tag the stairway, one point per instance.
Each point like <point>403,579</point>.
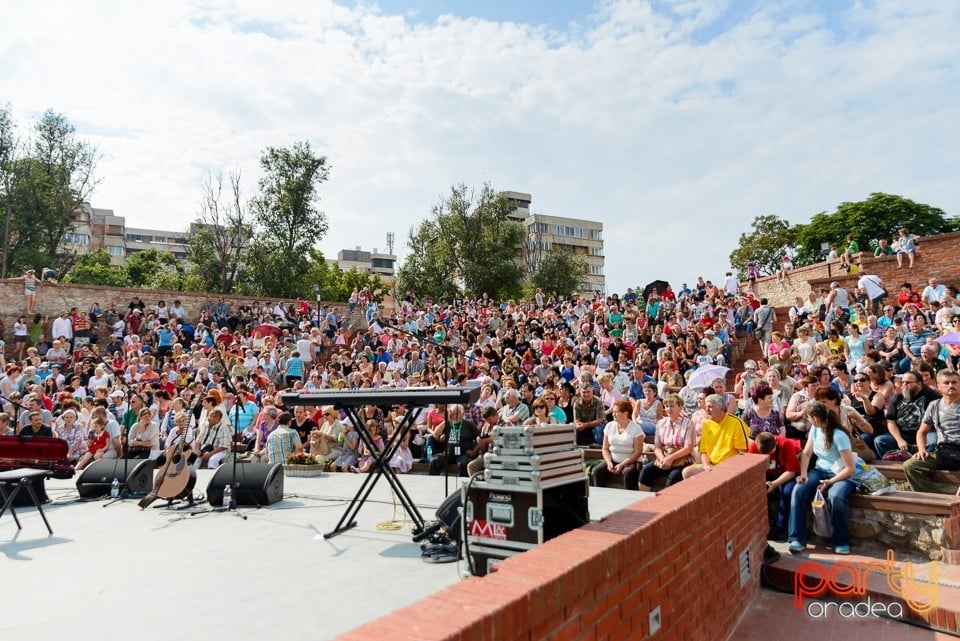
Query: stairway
<point>748,347</point>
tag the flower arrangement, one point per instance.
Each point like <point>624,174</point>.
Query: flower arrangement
<point>300,458</point>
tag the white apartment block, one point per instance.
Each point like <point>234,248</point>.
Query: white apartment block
<point>554,233</point>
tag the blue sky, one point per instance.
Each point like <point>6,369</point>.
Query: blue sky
<point>674,122</point>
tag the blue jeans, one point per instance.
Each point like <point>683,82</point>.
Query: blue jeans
<point>886,443</point>
<point>837,495</point>
<point>598,433</point>
<point>785,495</point>
<point>649,429</point>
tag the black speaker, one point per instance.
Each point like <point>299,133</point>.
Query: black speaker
<point>257,484</point>
<point>449,514</point>
<point>95,479</point>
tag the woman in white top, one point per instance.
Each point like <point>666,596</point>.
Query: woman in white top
<point>805,345</point>
<point>622,447</point>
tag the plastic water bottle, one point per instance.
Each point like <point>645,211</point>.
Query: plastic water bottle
<point>429,453</point>
<point>115,488</point>
<point>227,496</point>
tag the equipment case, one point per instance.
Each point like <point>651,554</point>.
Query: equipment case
<point>515,440</point>
<point>502,521</point>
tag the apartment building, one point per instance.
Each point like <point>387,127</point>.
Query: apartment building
<point>546,233</point>
<point>95,229</point>
<point>374,262</point>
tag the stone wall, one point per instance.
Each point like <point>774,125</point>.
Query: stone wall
<point>938,256</point>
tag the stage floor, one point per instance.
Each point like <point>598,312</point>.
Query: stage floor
<point>119,571</point>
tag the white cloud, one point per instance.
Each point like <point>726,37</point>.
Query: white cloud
<point>673,123</point>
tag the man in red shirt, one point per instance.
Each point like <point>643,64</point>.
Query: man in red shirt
<point>784,456</point>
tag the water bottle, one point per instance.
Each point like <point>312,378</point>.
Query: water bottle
<point>227,496</point>
<point>429,452</point>
<point>115,488</point>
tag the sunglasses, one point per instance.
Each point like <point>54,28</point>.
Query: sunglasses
<point>859,380</point>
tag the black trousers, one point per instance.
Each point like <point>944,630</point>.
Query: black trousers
<point>601,476</point>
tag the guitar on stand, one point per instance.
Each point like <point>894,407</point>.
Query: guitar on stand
<point>177,477</point>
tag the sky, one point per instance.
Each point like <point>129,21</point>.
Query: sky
<point>674,122</point>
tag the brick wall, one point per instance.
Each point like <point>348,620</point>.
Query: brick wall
<point>601,581</point>
<point>938,257</point>
<point>52,299</point>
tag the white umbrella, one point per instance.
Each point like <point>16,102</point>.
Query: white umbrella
<point>705,375</point>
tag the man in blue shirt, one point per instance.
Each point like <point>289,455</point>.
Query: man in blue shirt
<point>915,339</point>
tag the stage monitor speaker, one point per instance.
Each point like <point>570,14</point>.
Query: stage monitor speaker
<point>95,479</point>
<point>257,484</point>
<point>449,514</point>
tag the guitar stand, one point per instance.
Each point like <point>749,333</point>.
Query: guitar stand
<point>171,502</point>
<point>381,467</point>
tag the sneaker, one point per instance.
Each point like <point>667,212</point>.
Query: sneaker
<point>353,468</point>
<point>796,547</point>
<point>842,549</point>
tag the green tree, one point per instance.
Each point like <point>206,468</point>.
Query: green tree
<point>49,182</point>
<point>336,284</point>
<point>95,269</point>
<point>148,267</point>
<point>867,221</point>
<point>8,154</point>
<point>769,239</point>
<point>559,273</point>
<point>468,243</point>
<point>289,222</point>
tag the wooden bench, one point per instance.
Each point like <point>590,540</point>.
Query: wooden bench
<point>893,470</point>
<point>917,522</point>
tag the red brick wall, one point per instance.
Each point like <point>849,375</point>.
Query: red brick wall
<point>52,299</point>
<point>602,580</point>
<point>938,256</point>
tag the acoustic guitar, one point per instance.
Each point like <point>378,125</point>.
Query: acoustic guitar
<point>177,477</point>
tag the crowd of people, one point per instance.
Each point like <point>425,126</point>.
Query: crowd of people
<point>619,368</point>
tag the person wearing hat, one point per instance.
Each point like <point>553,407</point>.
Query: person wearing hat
<point>714,347</point>
<point>30,283</point>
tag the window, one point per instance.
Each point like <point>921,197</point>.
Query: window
<point>596,270</point>
<point>596,234</point>
<point>596,251</point>
<point>76,239</point>
<point>113,250</point>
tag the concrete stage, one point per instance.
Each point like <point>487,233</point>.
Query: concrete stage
<point>119,572</point>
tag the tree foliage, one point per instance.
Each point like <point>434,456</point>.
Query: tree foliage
<point>45,182</point>
<point>288,220</point>
<point>468,244</point>
<point>149,268</point>
<point>879,216</point>
<point>559,273</point>
<point>336,284</point>
<point>95,269</point>
<point>769,239</point>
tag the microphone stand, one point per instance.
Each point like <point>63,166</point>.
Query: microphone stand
<point>125,440</point>
<point>233,507</point>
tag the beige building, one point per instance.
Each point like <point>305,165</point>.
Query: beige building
<point>95,229</point>
<point>374,262</point>
<point>554,233</point>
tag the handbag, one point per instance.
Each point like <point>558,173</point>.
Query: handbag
<point>862,450</point>
<point>948,456</point>
<point>871,481</point>
<point>821,516</point>
<point>897,456</point>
